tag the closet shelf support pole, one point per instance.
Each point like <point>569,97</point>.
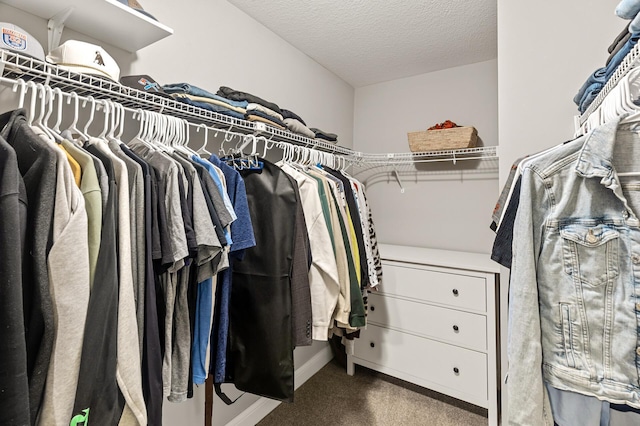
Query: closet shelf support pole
<point>56,25</point>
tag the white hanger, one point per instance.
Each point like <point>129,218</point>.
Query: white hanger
<point>20,82</point>
<point>73,127</point>
<point>41,94</point>
<point>92,112</point>
<point>203,148</point>
<point>122,118</point>
<point>141,117</point>
<point>32,105</point>
<point>49,95</point>
<point>57,93</point>
<point>106,107</point>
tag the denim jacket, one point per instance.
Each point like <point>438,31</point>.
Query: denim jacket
<point>574,299</point>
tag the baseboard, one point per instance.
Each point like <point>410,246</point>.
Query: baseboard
<point>264,406</point>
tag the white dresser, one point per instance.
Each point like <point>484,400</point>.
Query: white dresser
<point>435,322</point>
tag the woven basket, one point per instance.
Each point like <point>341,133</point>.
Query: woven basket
<point>444,139</point>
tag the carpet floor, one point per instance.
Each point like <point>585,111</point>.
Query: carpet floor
<point>370,398</point>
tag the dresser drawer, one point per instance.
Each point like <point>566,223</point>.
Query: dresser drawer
<point>457,327</point>
<point>462,370</point>
<point>453,289</point>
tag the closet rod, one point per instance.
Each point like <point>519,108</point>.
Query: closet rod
<point>628,63</point>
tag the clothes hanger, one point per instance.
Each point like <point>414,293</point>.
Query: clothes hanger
<point>57,93</point>
<point>73,127</point>
<point>140,116</point>
<point>185,145</point>
<point>32,104</point>
<point>41,93</point>
<point>49,95</point>
<point>123,114</point>
<point>203,148</point>
<point>105,105</point>
<point>20,82</point>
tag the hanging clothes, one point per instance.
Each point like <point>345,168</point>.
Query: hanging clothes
<point>13,245</point>
<point>261,346</point>
<point>585,243</point>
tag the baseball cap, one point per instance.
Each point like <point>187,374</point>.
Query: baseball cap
<point>85,58</point>
<point>18,40</point>
<point>133,4</point>
<point>144,83</point>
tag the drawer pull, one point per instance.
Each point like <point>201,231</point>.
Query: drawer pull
<point>373,345</point>
<point>373,308</point>
<point>456,370</point>
<point>456,328</point>
<point>455,292</point>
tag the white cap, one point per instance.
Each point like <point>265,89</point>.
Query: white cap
<point>12,37</point>
<point>85,58</point>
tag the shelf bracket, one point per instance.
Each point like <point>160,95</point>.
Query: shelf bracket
<point>397,175</point>
<point>56,25</point>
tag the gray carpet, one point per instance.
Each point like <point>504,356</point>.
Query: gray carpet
<point>370,398</point>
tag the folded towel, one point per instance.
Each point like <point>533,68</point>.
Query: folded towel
<point>296,126</point>
<point>236,95</point>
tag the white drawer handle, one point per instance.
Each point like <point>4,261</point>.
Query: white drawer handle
<point>456,292</point>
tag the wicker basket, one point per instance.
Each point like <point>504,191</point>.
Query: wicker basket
<point>444,139</point>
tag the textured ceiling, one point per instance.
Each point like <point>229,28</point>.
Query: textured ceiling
<point>369,41</point>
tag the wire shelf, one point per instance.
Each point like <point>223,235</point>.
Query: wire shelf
<point>16,66</point>
<point>628,63</point>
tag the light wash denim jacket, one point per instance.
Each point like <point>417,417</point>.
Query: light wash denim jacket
<point>574,298</point>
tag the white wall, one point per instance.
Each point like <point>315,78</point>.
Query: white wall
<point>450,207</point>
<point>546,50</point>
<point>216,44</point>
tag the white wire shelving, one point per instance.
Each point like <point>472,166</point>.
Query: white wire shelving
<point>630,61</point>
<point>16,66</point>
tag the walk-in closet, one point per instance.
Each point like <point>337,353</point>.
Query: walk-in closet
<point>240,213</point>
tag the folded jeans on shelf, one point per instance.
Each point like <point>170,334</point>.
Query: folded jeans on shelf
<point>618,46</point>
<point>589,96</point>
<point>618,57</point>
<point>236,95</point>
<point>210,101</point>
<point>189,89</point>
<point>212,107</point>
<point>623,34</point>
<point>598,76</point>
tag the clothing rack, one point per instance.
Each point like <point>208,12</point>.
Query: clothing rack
<point>628,63</point>
<point>14,66</point>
